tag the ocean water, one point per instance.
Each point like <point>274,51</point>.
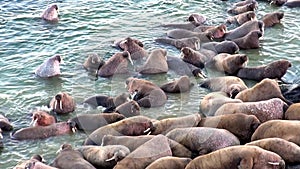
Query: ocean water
<point>89,27</point>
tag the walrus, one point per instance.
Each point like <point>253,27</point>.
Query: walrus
<point>292,3</point>
<point>274,70</point>
<point>129,109</point>
<point>136,51</point>
<point>133,142</point>
<point>213,100</point>
<point>244,29</point>
<point>62,103</point>
<point>193,57</point>
<point>116,64</point>
<point>93,62</point>
<point>35,162</point>
<point>271,19</point>
<point>67,153</point>
<point>5,125</point>
<point>291,92</point>
<point>192,42</point>
<point>42,132</point>
<point>278,2</point>
<point>194,20</point>
<point>163,126</point>
<point>1,139</point>
<point>264,90</point>
<point>241,9</point>
<point>238,157</point>
<point>285,129</point>
<point>110,103</point>
<point>156,62</point>
<point>289,151</point>
<point>169,162</point>
<point>203,140</point>
<point>293,112</point>
<point>180,85</point>
<point>132,126</point>
<point>227,63</point>
<point>182,33</point>
<point>42,118</point>
<point>91,122</point>
<point>231,85</point>
<point>147,153</point>
<point>104,156</point>
<point>239,124</point>
<point>146,93</point>
<point>119,43</point>
<point>264,110</point>
<point>241,18</point>
<point>229,47</point>
<point>51,13</point>
<point>245,2</point>
<point>249,41</point>
<point>218,31</point>
<point>50,67</point>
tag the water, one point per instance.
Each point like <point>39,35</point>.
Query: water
<point>89,27</point>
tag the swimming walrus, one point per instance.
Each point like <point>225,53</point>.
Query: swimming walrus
<point>271,19</point>
<point>293,112</point>
<point>192,42</point>
<point>110,103</point>
<point>156,62</point>
<point>244,29</point>
<point>242,9</point>
<point>51,13</point>
<point>180,85</point>
<point>193,57</point>
<point>249,41</point>
<point>241,18</point>
<point>62,103</point>
<point>49,67</point>
<point>182,33</point>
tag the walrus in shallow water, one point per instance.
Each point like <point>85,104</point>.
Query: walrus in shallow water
<point>292,3</point>
<point>156,62</point>
<point>169,162</point>
<point>51,13</point>
<point>135,49</point>
<point>62,103</point>
<point>129,109</point>
<point>215,48</point>
<point>93,62</point>
<point>245,2</point>
<point>242,9</point>
<point>182,33</point>
<point>194,21</point>
<point>5,125</point>
<point>241,18</point>
<point>192,42</point>
<point>181,85</point>
<point>244,29</point>
<point>270,19</point>
<point>120,43</point>
<point>274,70</point>
<point>110,103</point>
<point>35,162</point>
<point>42,118</point>
<point>238,157</point>
<point>249,41</point>
<point>193,57</point>
<point>50,67</point>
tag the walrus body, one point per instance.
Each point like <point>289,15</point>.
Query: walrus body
<point>241,125</point>
<point>192,42</point>
<point>182,33</point>
<point>169,162</point>
<point>50,67</point>
<point>238,157</point>
<point>264,110</point>
<point>129,109</point>
<point>242,9</point>
<point>292,3</point>
<point>51,14</point>
<point>5,124</point>
<point>182,68</point>
<point>35,162</point>
<point>272,19</point>
<point>106,101</point>
<point>42,118</point>
<point>249,41</point>
<point>241,18</point>
<point>193,57</point>
<point>273,70</point>
<point>92,63</point>
<point>244,29</point>
<point>135,49</point>
<point>62,103</point>
<point>181,85</point>
<point>229,47</point>
<point>156,62</point>
<point>293,112</point>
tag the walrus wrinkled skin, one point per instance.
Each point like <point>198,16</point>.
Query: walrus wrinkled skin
<point>42,132</point>
<point>146,93</point>
<point>68,158</point>
<point>215,48</point>
<point>156,62</point>
<point>104,156</point>
<point>5,124</point>
<point>129,109</point>
<point>229,84</point>
<point>132,126</point>
<point>116,64</point>
<point>244,29</point>
<point>271,19</point>
<point>136,51</point>
<point>203,140</point>
<point>290,152</point>
<point>133,142</point>
<point>93,62</point>
<point>110,103</point>
<point>91,122</point>
<point>214,100</point>
<point>51,13</point>
<point>242,9</point>
<point>227,63</point>
<point>264,110</point>
<point>264,90</point>
<point>274,70</point>
<point>42,118</point>
<point>192,42</point>
<point>35,162</point>
<point>50,67</point>
<point>62,103</point>
<point>241,125</point>
<point>285,129</point>
<point>165,125</point>
<point>193,57</point>
<point>147,153</point>
<point>241,18</point>
<point>169,162</point>
<point>238,157</point>
<point>249,41</point>
<point>293,112</point>
<point>183,33</point>
<point>181,85</point>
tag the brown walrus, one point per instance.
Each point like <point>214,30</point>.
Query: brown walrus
<point>292,3</point>
<point>249,41</point>
<point>194,20</point>
<point>51,13</point>
<point>244,29</point>
<point>241,125</point>
<point>218,31</point>
<point>238,157</point>
<point>169,162</point>
<point>227,63</point>
<point>182,33</point>
<point>241,18</point>
<point>181,85</point>
<point>42,118</point>
<point>192,42</point>
<point>5,124</point>
<point>285,129</point>
<point>229,47</point>
<point>110,103</point>
<point>293,112</point>
<point>264,110</point>
<point>93,62</point>
<point>135,49</point>
<point>35,162</point>
<point>116,64</point>
<point>119,43</point>
<point>245,8</point>
<point>290,152</point>
<point>156,62</point>
<point>129,109</point>
<point>274,70</point>
<point>193,57</point>
<point>62,103</point>
<point>245,2</point>
<point>271,19</point>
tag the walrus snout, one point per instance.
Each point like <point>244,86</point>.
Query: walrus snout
<point>54,6</point>
<point>72,125</point>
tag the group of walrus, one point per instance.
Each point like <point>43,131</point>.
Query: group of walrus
<point>237,126</point>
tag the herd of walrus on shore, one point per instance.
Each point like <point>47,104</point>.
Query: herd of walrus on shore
<point>237,126</point>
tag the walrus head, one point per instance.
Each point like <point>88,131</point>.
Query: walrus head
<point>229,47</point>
<point>58,106</point>
<point>51,13</point>
<point>197,19</point>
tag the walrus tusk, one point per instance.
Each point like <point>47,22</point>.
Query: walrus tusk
<point>110,159</point>
<point>197,45</point>
<point>133,95</point>
<point>55,104</point>
<point>181,55</point>
<point>59,150</point>
<point>274,163</point>
<point>74,129</point>
<point>60,105</point>
<point>129,58</point>
<point>147,130</point>
<point>33,122</point>
<point>1,136</point>
<point>201,75</point>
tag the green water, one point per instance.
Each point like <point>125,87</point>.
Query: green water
<point>90,26</point>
